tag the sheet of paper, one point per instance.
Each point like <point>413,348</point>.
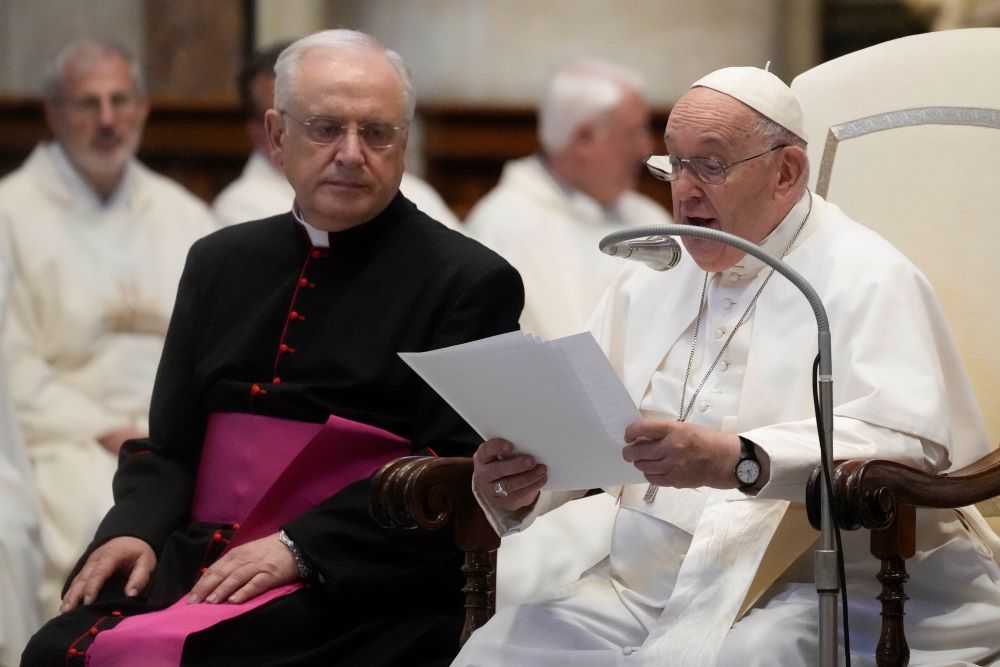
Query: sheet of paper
<point>559,401</point>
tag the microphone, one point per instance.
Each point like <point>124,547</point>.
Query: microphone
<point>657,252</point>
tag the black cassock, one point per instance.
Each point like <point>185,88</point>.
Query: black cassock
<point>266,324</point>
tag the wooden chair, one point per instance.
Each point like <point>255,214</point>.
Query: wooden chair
<point>436,494</point>
<point>905,137</point>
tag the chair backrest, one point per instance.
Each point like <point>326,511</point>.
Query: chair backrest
<point>905,137</point>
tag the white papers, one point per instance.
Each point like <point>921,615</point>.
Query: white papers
<point>559,401</point>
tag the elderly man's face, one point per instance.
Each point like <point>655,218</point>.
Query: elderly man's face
<point>707,123</point>
<point>99,117</point>
<point>621,143</point>
<point>346,183</point>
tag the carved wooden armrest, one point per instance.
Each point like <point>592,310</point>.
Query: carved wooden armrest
<point>882,496</point>
<point>432,493</point>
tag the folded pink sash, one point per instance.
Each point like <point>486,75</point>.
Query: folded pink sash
<point>260,472</point>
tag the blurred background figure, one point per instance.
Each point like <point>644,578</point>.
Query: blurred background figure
<point>20,556</point>
<point>96,243</point>
<point>546,217</point>
<point>262,190</point>
<point>549,210</point>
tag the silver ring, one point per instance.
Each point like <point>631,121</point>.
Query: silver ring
<point>499,491</point>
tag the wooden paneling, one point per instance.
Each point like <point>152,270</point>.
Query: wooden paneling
<point>21,127</point>
<point>851,25</point>
<point>194,49</point>
<point>203,145</point>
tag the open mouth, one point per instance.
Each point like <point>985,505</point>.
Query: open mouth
<point>699,222</point>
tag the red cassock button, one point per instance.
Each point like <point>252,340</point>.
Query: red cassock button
<point>256,390</point>
<point>276,380</point>
<point>303,282</point>
<point>316,254</point>
<point>116,613</point>
<point>294,315</point>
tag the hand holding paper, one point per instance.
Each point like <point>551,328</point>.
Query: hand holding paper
<point>559,401</point>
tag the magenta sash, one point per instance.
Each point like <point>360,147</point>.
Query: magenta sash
<point>260,472</point>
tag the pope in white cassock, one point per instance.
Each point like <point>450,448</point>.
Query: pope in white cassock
<point>545,217</point>
<point>95,243</point>
<point>706,568</point>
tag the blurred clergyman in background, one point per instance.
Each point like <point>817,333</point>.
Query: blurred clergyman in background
<point>95,242</point>
<point>546,217</point>
<point>549,210</point>
<point>20,558</point>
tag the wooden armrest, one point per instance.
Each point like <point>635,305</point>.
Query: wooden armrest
<point>867,492</point>
<point>431,493</point>
<point>883,496</point>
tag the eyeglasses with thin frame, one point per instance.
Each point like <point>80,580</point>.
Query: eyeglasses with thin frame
<point>325,131</point>
<point>707,169</point>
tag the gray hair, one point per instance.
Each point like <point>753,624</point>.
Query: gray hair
<point>85,52</point>
<point>287,65</point>
<point>581,92</point>
<point>776,134</point>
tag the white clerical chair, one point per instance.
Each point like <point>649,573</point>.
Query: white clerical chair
<point>905,138</point>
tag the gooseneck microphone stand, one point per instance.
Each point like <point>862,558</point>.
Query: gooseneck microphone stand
<point>826,574</point>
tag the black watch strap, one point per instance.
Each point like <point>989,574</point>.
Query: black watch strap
<point>748,467</point>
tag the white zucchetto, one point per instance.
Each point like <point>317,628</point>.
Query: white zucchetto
<point>759,90</point>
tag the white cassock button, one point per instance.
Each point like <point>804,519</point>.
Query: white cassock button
<point>703,406</point>
<point>723,364</point>
<point>733,277</point>
<point>628,650</point>
<point>719,333</point>
<point>727,303</point>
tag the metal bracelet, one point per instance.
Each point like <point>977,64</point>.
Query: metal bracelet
<point>300,562</point>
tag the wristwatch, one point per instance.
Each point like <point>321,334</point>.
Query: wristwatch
<point>748,467</point>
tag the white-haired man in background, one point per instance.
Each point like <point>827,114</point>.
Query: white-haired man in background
<point>95,243</point>
<point>549,210</point>
<point>546,217</point>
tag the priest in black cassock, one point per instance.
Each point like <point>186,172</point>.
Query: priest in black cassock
<point>240,533</point>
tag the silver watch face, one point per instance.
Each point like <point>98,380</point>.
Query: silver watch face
<point>748,471</point>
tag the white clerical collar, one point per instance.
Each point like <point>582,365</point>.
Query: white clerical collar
<point>591,208</point>
<point>81,190</point>
<point>317,237</point>
<point>773,244</point>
